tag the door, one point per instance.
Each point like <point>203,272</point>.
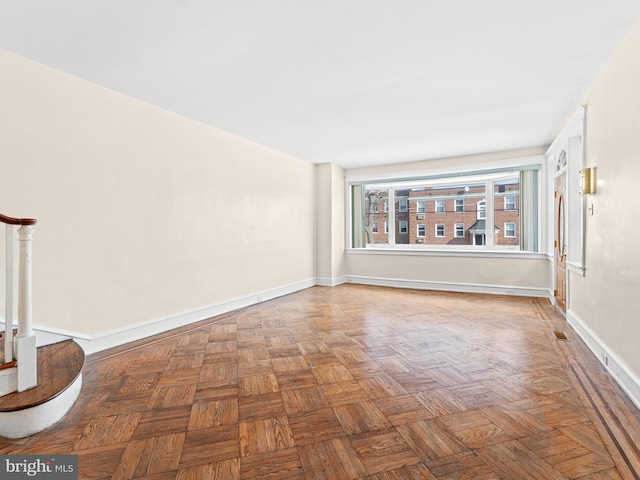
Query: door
<point>560,242</point>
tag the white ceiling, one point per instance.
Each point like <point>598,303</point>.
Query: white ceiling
<point>354,82</point>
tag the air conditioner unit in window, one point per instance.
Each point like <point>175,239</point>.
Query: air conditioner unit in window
<point>420,217</point>
<point>420,240</point>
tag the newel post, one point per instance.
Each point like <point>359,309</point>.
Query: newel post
<point>25,341</point>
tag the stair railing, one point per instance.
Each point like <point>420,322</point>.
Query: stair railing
<point>22,349</point>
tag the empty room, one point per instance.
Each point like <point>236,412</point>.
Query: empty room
<point>319,240</point>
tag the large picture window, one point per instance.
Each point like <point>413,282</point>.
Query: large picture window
<point>484,210</point>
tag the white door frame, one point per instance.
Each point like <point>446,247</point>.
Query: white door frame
<point>571,140</point>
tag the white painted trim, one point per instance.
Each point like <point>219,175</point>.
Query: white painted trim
<point>329,282</point>
<point>466,168</point>
<point>574,125</point>
<point>433,251</point>
<point>578,269</point>
<point>451,287</point>
<point>48,335</point>
<point>572,140</point>
<point>22,423</point>
<point>128,334</point>
<point>622,374</point>
<point>96,343</point>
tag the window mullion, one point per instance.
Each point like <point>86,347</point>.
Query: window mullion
<point>391,218</point>
<point>490,214</point>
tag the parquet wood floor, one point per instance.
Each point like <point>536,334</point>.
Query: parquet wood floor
<point>353,382</point>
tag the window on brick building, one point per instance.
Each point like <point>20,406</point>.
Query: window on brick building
<point>509,202</point>
<point>481,210</point>
<point>510,230</point>
<point>495,209</point>
<point>507,209</point>
<point>371,215</point>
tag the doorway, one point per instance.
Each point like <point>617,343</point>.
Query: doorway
<point>560,242</point>
<point>479,239</point>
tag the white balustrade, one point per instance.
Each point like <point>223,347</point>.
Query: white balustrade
<point>25,342</point>
<point>21,349</point>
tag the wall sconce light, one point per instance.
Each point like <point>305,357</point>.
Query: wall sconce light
<point>587,181</point>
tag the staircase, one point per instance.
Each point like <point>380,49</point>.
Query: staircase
<point>38,386</point>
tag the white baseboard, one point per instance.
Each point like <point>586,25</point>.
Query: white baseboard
<point>117,337</point>
<point>96,343</point>
<point>627,380</point>
<point>48,335</point>
<point>329,282</point>
<point>451,287</point>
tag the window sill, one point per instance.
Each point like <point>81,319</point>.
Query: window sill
<point>448,252</point>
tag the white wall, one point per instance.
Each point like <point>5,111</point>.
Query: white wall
<point>605,302</point>
<point>143,214</point>
<point>330,227</point>
<point>505,273</point>
<point>459,273</point>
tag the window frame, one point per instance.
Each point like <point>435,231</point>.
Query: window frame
<point>506,205</point>
<point>455,230</point>
<point>437,228</point>
<point>424,230</point>
<point>455,205</point>
<point>534,236</point>
<point>481,209</point>
<point>406,227</point>
<point>515,230</point>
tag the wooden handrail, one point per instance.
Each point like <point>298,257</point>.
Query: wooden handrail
<point>17,221</point>
<point>5,366</point>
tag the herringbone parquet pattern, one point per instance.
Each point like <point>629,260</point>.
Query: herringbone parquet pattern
<point>353,382</point>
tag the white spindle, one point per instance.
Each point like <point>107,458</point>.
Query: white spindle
<point>8,305</point>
